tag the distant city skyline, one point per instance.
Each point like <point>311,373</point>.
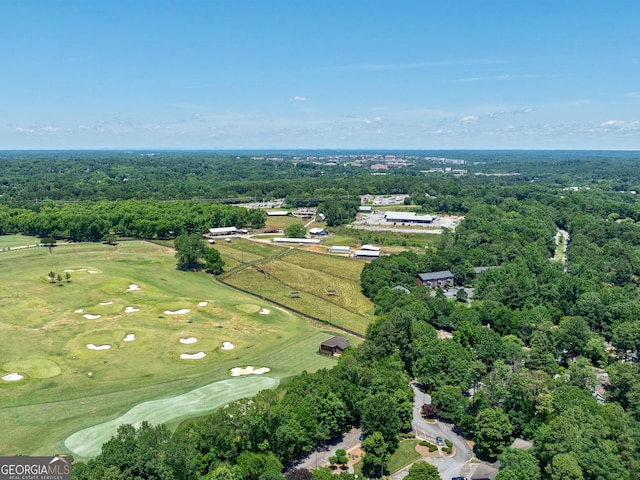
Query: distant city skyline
<point>298,74</point>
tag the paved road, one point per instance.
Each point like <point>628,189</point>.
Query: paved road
<point>320,458</point>
<point>456,465</point>
<point>453,466</point>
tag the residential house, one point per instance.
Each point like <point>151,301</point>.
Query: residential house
<point>440,279</point>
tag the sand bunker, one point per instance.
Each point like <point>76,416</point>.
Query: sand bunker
<point>237,371</point>
<point>188,340</point>
<point>12,377</point>
<point>192,356</point>
<point>80,310</point>
<point>228,346</point>
<point>129,338</point>
<point>202,304</point>
<point>132,287</point>
<point>131,310</point>
<point>105,303</point>
<point>92,271</point>
<point>91,346</point>
<point>88,316</point>
<point>265,311</point>
<point>177,312</point>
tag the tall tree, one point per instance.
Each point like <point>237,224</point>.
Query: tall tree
<point>423,471</point>
<point>492,431</point>
<point>190,249</point>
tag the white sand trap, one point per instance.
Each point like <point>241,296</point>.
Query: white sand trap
<point>12,377</point>
<point>132,287</point>
<point>203,304</point>
<point>129,338</point>
<point>265,311</point>
<point>228,346</point>
<point>192,356</point>
<point>131,310</point>
<point>80,310</point>
<point>91,346</point>
<point>237,371</point>
<point>182,311</point>
<point>105,303</point>
<point>88,316</point>
<point>188,340</point>
<point>92,271</point>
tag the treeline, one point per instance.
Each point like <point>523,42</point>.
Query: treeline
<point>93,221</point>
<point>252,439</point>
<point>83,176</point>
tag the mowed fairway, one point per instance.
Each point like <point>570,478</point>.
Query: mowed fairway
<point>68,387</point>
<point>328,286</point>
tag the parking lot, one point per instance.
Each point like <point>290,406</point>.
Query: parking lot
<point>376,221</point>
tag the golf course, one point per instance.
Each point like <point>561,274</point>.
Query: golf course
<point>96,335</point>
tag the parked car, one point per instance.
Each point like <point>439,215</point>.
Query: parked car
<point>439,441</point>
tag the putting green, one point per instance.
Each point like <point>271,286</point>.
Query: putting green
<point>87,443</point>
<point>34,367</point>
<point>248,308</point>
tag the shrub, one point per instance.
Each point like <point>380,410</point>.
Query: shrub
<point>430,446</point>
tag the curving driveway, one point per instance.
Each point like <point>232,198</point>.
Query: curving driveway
<point>453,466</point>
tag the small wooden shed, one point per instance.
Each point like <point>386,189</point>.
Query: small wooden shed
<point>334,346</point>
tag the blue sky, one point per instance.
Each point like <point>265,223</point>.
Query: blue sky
<point>238,74</point>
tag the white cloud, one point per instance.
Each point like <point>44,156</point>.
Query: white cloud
<point>372,121</point>
<point>525,110</point>
<point>632,95</point>
<point>612,123</point>
<point>469,119</point>
<point>25,130</point>
<point>49,128</point>
<point>297,98</point>
<point>621,126</point>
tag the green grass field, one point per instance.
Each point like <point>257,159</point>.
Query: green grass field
<point>45,336</point>
<point>313,275</point>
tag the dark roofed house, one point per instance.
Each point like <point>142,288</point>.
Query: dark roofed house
<point>478,270</point>
<point>334,346</point>
<point>522,444</point>
<point>485,472</point>
<point>440,279</point>
<point>401,288</point>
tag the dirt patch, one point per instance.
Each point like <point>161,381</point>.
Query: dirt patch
<point>355,455</point>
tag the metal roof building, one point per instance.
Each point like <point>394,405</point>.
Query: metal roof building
<point>367,253</point>
<point>223,231</point>
<point>410,217</point>
<point>308,241</point>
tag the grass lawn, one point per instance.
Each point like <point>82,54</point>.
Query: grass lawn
<point>283,222</point>
<point>405,455</point>
<point>11,241</point>
<point>328,286</point>
<point>45,336</point>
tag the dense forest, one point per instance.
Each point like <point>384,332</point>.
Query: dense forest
<point>523,359</point>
